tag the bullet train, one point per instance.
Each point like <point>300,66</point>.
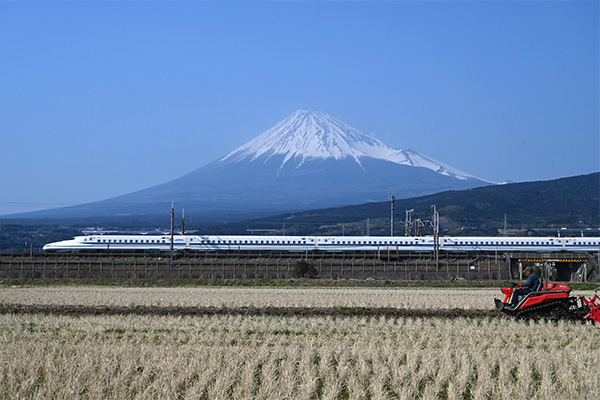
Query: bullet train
<point>213,243</point>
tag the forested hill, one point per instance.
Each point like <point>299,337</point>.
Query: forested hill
<point>530,208</point>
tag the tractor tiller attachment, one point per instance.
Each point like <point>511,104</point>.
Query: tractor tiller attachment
<point>590,309</point>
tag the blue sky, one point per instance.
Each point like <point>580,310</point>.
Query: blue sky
<point>99,99</point>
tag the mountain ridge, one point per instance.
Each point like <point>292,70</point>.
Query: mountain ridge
<point>308,160</point>
<point>530,207</point>
<point>539,208</point>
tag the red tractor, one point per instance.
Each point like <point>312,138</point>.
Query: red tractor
<point>553,301</point>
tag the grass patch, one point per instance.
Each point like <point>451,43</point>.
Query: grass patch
<point>584,286</point>
<point>295,282</point>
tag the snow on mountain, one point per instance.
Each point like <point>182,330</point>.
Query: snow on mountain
<point>310,135</point>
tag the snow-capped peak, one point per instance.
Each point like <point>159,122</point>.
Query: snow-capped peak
<point>308,135</point>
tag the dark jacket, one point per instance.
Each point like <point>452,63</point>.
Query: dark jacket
<point>532,282</point>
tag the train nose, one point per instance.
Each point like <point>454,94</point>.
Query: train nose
<point>53,246</point>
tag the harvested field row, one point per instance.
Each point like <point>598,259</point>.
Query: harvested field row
<point>253,297</point>
<point>74,310</point>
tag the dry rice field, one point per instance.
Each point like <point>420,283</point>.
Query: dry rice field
<point>252,297</point>
<point>287,357</point>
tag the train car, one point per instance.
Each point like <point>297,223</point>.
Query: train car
<point>213,243</point>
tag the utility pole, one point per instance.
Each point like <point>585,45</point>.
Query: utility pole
<point>392,200</point>
<point>172,227</point>
<point>368,228</point>
<point>436,236</point>
<point>182,221</point>
<point>505,226</point>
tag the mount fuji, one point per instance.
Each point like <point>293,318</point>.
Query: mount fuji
<point>308,160</point>
<point>306,136</point>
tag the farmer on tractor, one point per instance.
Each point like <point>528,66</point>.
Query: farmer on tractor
<point>532,285</point>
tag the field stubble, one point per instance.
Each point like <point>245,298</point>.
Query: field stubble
<point>270,357</point>
<point>252,297</point>
<point>267,357</point>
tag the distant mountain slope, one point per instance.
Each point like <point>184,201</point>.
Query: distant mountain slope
<point>543,206</point>
<point>308,160</point>
<point>537,208</point>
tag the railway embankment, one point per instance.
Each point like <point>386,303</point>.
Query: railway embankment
<point>160,268</point>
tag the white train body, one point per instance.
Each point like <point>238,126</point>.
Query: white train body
<point>212,243</point>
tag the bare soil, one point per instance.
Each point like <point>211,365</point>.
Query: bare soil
<point>76,310</point>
